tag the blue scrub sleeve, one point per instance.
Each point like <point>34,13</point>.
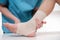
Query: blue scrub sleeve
<point>4,2</point>
<point>39,3</point>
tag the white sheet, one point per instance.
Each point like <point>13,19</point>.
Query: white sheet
<point>39,36</point>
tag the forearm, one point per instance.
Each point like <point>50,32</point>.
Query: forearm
<point>7,13</point>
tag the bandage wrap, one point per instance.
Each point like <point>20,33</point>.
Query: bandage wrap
<point>40,15</point>
<point>24,29</point>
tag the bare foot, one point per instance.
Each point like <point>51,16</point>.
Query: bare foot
<point>13,28</point>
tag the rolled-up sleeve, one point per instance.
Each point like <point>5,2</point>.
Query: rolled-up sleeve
<point>4,2</point>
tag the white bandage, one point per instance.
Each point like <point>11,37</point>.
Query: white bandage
<point>30,26</point>
<point>24,29</point>
<point>39,15</point>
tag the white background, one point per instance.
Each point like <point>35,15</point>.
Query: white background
<point>53,21</point>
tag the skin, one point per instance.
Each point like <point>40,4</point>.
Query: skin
<point>43,7</point>
<point>58,1</point>
<point>47,6</point>
<point>8,14</point>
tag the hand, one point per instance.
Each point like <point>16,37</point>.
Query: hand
<point>17,21</point>
<point>39,23</point>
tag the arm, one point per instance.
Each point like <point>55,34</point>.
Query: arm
<point>8,14</point>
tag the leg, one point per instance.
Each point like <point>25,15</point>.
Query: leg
<point>31,23</point>
<point>30,26</point>
<point>13,28</point>
<point>47,6</point>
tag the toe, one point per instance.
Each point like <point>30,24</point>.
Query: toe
<point>11,27</point>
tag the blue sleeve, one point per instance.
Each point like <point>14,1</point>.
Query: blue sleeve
<point>4,2</point>
<point>38,3</point>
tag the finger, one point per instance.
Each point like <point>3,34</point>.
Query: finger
<point>44,22</point>
<point>39,23</point>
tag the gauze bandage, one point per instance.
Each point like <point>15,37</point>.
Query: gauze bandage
<point>26,29</point>
<point>30,26</point>
<point>39,15</point>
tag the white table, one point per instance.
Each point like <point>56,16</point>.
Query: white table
<point>39,36</point>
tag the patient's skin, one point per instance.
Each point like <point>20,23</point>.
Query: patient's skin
<point>13,27</point>
<point>8,14</point>
<point>4,10</point>
<point>43,7</point>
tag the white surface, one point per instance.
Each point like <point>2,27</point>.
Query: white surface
<point>57,7</point>
<point>1,32</point>
<point>39,36</point>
